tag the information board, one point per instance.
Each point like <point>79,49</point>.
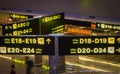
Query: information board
<point>26,27</point>
<point>36,26</point>
<point>89,45</point>
<point>52,24</point>
<point>18,17</point>
<point>42,45</point>
<point>104,26</point>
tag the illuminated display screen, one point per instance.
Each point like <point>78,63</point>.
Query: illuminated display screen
<point>52,24</point>
<point>22,28</point>
<point>18,17</point>
<point>79,27</point>
<point>41,45</point>
<point>88,45</point>
<point>77,30</point>
<point>108,26</point>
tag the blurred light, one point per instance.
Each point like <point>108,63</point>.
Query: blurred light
<point>87,67</point>
<point>86,3</point>
<point>5,57</point>
<point>98,61</point>
<point>56,34</point>
<point>39,16</point>
<point>45,67</point>
<point>18,61</point>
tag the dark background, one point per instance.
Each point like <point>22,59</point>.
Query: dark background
<point>76,8</point>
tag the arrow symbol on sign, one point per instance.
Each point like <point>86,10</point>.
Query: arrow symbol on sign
<point>48,40</point>
<point>118,40</point>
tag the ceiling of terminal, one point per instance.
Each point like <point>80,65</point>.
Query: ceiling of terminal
<point>71,8</point>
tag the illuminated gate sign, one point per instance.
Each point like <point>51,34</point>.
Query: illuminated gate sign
<point>67,45</point>
<point>22,28</point>
<point>36,26</point>
<point>52,24</point>
<point>88,45</point>
<point>18,17</point>
<point>108,26</point>
<point>42,45</point>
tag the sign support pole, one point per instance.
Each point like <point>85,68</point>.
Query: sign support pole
<point>57,62</point>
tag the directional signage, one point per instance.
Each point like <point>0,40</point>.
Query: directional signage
<point>104,26</point>
<point>27,27</point>
<point>35,26</point>
<point>67,45</point>
<point>87,45</point>
<point>42,45</point>
<point>18,17</point>
<point>52,24</point>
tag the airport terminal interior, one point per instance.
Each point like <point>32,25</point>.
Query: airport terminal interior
<point>60,42</point>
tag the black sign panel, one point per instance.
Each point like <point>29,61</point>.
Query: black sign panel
<point>52,24</point>
<point>44,25</point>
<point>89,45</point>
<point>42,45</point>
<point>78,23</point>
<point>22,28</point>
